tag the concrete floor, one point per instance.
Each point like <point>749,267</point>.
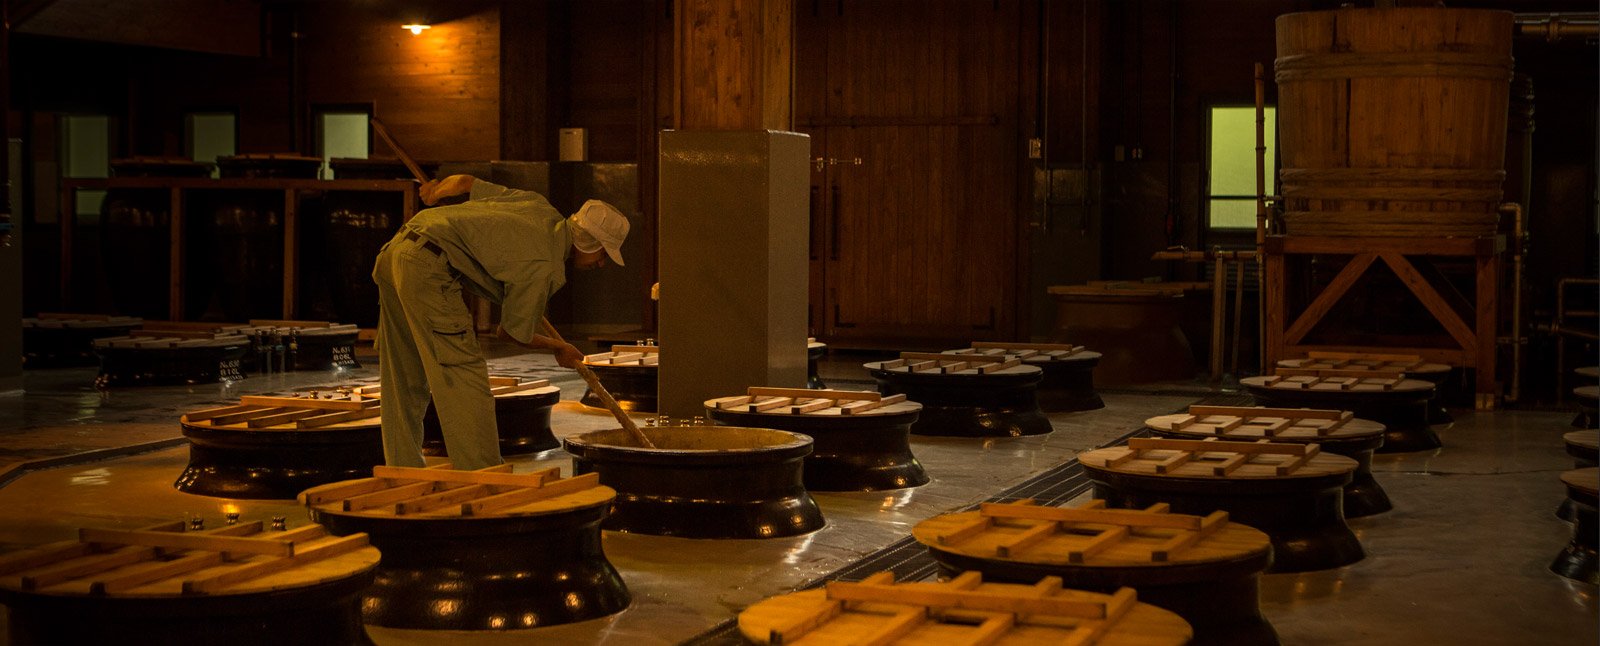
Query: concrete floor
<point>1461,560</point>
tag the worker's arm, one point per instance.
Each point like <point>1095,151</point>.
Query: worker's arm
<point>566,354</point>
<point>438,189</point>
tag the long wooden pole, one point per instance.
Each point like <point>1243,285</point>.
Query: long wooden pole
<point>588,375</point>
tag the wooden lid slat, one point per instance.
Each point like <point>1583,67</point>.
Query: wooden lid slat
<point>306,402</point>
<point>260,567</point>
<point>1215,446</point>
<point>810,406</point>
<point>1099,543</point>
<point>971,528</point>
<point>525,496</point>
<point>769,403</point>
<point>943,597</point>
<point>852,395</point>
<point>58,573</point>
<point>187,541</point>
<point>1011,546</point>
<point>142,573</point>
<point>1184,540</point>
<point>1293,465</point>
<point>280,418</point>
<point>899,625</point>
<point>246,416</point>
<point>1127,517</point>
<point>329,419</point>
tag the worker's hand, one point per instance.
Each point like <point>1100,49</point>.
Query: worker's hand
<point>568,356</point>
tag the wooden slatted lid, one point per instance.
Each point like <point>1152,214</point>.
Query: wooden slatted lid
<point>500,386</point>
<point>1587,392</point>
<point>166,561</point>
<point>1357,381</point>
<point>1028,352</point>
<point>1278,424</point>
<point>1377,362</point>
<point>646,356</point>
<point>816,403</point>
<point>439,492</point>
<point>314,410</point>
<point>1592,372</point>
<point>1583,479</point>
<point>963,610</point>
<point>57,320</point>
<point>938,363</point>
<point>300,328</point>
<point>1217,459</point>
<point>812,343</point>
<point>1090,535</point>
<point>1586,439</point>
<point>146,339</point>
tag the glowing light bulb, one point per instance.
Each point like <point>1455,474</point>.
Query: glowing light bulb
<point>416,30</point>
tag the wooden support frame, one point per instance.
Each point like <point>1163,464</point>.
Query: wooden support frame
<point>1474,340</point>
<point>179,187</point>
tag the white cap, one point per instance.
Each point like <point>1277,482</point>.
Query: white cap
<point>598,225</point>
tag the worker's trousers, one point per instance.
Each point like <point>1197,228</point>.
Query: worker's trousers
<point>426,343</point>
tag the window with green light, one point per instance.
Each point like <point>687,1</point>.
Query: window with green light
<point>1231,165</point>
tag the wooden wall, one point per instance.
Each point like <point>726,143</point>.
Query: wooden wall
<point>438,92</point>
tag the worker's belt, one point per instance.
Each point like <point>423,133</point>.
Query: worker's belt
<point>425,243</point>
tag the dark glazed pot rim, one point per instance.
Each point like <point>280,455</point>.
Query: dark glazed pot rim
<point>605,445</point>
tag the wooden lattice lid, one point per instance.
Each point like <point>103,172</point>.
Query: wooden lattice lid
<point>1376,362</point>
<point>1583,479</point>
<point>812,343</point>
<point>646,356</point>
<point>157,340</point>
<point>314,410</point>
<point>1028,352</point>
<point>299,328</point>
<point>1217,459</point>
<point>813,403</point>
<point>440,492</point>
<point>1253,423</point>
<point>166,561</point>
<point>1592,372</point>
<point>1354,381</point>
<point>963,610</point>
<point>1090,535</point>
<point>56,320</point>
<point>500,386</point>
<point>1587,392</point>
<point>938,363</point>
<point>1587,439</point>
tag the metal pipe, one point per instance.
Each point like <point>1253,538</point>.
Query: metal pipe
<point>1556,26</point>
<point>1261,217</point>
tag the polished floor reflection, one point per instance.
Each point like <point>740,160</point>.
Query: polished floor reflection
<point>1461,559</point>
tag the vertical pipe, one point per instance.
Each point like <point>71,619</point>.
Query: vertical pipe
<point>1238,314</point>
<point>1516,213</point>
<point>1261,215</point>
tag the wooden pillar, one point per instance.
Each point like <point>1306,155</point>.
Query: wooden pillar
<point>733,187</point>
<point>533,77</point>
<point>734,65</point>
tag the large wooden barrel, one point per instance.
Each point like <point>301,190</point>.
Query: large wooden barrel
<point>236,238</point>
<point>1392,122</point>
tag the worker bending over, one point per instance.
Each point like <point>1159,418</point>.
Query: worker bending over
<point>508,246</point>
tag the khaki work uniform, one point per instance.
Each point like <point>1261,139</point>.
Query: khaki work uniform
<point>506,245</point>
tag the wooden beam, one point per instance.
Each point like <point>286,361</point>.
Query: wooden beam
<point>1329,297</point>
<point>1430,299</point>
<point>734,65</point>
